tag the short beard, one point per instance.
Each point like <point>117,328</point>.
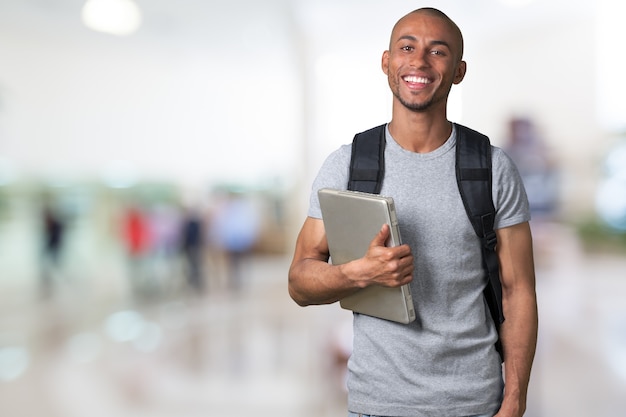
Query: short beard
<point>415,107</point>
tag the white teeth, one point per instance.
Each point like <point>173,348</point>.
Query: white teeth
<point>414,79</point>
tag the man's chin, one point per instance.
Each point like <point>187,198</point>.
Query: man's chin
<point>417,107</point>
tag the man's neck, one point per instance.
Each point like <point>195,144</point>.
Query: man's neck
<point>420,132</point>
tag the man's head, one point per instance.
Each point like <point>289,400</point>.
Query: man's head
<point>424,59</point>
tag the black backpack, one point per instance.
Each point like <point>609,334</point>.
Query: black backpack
<point>473,175</point>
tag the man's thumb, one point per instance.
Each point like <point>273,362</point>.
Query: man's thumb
<point>381,237</point>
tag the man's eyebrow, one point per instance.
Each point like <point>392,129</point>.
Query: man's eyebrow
<point>443,43</point>
<point>433,42</point>
<point>407,38</point>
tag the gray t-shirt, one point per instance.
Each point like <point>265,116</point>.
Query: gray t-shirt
<point>444,364</point>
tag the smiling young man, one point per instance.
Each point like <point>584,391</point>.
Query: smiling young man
<point>444,363</point>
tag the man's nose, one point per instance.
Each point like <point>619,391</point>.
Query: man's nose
<point>419,58</point>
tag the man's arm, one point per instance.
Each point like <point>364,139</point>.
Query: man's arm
<point>519,330</point>
<point>312,280</point>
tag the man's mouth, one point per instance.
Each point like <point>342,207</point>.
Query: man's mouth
<point>413,79</point>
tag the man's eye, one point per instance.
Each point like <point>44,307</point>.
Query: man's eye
<point>437,52</point>
<point>407,48</point>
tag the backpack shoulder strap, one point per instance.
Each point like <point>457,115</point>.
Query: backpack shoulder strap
<point>473,172</point>
<point>367,166</point>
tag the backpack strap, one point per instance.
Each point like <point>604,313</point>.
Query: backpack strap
<point>367,166</point>
<point>473,172</point>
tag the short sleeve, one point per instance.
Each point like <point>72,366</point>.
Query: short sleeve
<point>333,174</point>
<point>509,194</point>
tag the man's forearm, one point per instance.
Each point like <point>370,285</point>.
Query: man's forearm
<point>313,281</point>
<point>519,339</point>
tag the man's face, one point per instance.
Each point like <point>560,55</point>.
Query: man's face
<point>423,61</point>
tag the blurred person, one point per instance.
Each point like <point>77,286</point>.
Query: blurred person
<point>192,247</point>
<point>235,229</point>
<point>527,149</point>
<point>163,220</point>
<point>137,239</point>
<point>53,236</point>
<point>445,363</point>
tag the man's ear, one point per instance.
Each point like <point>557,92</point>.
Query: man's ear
<point>385,62</point>
<point>461,69</point>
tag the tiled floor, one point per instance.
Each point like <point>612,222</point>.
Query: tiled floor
<point>93,351</point>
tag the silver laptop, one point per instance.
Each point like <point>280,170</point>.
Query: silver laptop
<point>351,220</point>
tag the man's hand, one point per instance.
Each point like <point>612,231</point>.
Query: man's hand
<point>510,409</point>
<point>382,265</point>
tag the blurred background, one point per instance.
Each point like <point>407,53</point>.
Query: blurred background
<point>155,164</point>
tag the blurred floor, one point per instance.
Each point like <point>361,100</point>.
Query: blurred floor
<point>92,350</point>
<point>580,368</point>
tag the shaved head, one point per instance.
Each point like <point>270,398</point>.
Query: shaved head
<point>430,11</point>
